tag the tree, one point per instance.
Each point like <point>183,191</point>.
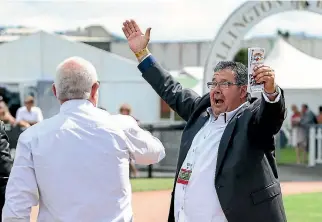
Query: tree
<point>242,56</point>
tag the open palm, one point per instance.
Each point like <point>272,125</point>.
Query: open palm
<point>137,41</point>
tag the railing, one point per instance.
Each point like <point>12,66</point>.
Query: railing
<point>315,145</point>
<point>170,136</point>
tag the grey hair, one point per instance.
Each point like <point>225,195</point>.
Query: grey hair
<point>240,70</point>
<point>75,77</point>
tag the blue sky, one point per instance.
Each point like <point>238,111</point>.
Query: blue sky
<point>169,19</point>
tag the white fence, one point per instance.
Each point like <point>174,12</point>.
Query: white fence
<point>315,146</point>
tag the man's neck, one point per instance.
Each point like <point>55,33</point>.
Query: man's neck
<point>66,100</point>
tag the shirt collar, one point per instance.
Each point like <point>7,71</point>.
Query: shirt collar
<point>226,115</point>
<point>74,103</point>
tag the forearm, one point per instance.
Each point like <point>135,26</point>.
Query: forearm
<point>22,189</point>
<point>145,148</point>
<point>270,114</point>
<point>182,101</point>
<point>23,123</point>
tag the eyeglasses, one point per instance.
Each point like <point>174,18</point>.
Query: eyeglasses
<point>222,85</point>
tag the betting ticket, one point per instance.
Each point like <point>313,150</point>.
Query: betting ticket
<point>255,57</point>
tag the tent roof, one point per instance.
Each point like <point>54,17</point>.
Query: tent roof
<point>194,71</point>
<point>293,68</point>
<point>36,56</point>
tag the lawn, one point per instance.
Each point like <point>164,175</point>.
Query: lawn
<point>303,207</point>
<point>145,184</point>
<point>299,207</point>
<point>286,156</point>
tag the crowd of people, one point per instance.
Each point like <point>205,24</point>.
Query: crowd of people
<point>301,121</point>
<point>26,116</point>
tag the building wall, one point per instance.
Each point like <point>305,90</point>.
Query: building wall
<point>176,55</point>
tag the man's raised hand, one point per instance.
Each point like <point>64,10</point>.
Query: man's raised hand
<point>137,41</point>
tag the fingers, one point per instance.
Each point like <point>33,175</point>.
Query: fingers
<point>130,24</point>
<point>136,27</point>
<point>260,69</point>
<point>263,79</point>
<point>127,35</point>
<point>126,29</point>
<point>130,27</point>
<point>147,33</point>
<point>263,74</point>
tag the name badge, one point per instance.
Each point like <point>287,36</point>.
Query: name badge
<point>184,176</point>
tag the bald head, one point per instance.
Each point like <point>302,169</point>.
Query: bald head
<point>75,79</point>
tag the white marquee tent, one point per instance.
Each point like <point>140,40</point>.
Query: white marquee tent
<point>35,57</point>
<point>294,69</point>
<point>298,74</point>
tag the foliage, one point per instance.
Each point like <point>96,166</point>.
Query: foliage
<point>242,56</point>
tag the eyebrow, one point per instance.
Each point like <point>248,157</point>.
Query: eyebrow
<point>223,80</point>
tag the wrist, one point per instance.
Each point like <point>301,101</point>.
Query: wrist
<point>271,91</point>
<point>140,55</point>
<point>272,94</point>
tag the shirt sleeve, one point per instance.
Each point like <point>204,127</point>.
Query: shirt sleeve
<point>144,148</point>
<point>39,115</point>
<point>22,189</point>
<point>18,115</point>
<point>278,97</point>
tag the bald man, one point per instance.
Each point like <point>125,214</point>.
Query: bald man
<point>75,165</point>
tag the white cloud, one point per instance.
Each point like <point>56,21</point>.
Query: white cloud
<point>169,19</point>
<point>294,21</point>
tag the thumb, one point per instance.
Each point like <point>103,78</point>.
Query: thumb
<point>147,33</point>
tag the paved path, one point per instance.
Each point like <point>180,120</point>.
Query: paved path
<point>154,205</point>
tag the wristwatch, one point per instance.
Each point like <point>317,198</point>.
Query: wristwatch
<point>274,93</point>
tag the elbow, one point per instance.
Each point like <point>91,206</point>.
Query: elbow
<point>155,155</point>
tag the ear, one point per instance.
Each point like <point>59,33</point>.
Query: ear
<point>94,90</point>
<point>243,92</point>
<point>54,89</point>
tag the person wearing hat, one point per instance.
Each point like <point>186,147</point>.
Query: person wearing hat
<point>29,114</point>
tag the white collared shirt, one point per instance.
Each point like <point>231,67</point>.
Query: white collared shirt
<point>35,114</point>
<point>198,200</point>
<point>78,161</point>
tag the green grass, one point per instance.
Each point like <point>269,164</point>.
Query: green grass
<point>286,156</point>
<point>299,207</point>
<point>147,184</point>
<point>303,207</point>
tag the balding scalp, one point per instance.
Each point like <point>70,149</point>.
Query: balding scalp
<point>75,77</point>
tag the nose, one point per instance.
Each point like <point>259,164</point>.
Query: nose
<point>217,90</point>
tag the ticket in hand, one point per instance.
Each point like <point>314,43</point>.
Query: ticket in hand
<point>255,57</point>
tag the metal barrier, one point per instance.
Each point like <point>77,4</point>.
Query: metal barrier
<point>170,136</point>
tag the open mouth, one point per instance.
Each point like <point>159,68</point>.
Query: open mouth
<point>219,101</point>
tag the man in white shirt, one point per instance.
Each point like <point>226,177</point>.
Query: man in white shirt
<point>29,114</point>
<point>75,165</point>
<point>226,168</point>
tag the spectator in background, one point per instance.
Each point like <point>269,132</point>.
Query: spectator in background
<point>319,118</point>
<point>29,114</point>
<point>5,115</point>
<point>125,109</point>
<point>299,137</point>
<point>308,118</point>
